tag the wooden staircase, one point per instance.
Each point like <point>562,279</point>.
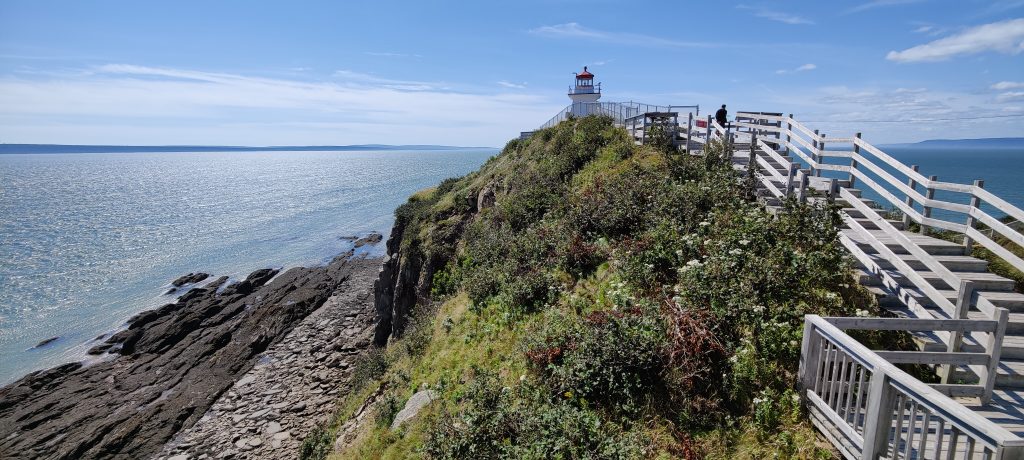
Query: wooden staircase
<point>994,288</point>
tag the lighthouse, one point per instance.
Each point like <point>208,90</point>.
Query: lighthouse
<point>585,91</point>
<point>584,94</point>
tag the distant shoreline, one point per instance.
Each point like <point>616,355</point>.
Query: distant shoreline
<point>70,148</point>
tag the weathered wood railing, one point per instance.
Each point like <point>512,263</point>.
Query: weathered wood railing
<point>803,146</point>
<point>880,172</point>
<point>871,409</point>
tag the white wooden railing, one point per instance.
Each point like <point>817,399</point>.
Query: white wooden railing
<point>871,409</point>
<point>895,182</point>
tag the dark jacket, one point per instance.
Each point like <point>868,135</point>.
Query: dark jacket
<point>722,116</point>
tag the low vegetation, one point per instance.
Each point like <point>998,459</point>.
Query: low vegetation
<point>604,300</point>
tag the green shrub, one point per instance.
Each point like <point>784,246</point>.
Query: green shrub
<point>522,422</point>
<point>316,445</point>
<point>609,357</point>
<point>369,366</point>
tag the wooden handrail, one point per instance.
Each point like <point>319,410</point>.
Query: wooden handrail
<point>841,377</point>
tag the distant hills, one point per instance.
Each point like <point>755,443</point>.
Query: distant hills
<point>60,148</point>
<point>987,143</point>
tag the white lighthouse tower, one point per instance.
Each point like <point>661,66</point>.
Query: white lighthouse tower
<point>584,93</point>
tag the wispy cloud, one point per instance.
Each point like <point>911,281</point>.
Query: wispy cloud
<point>1003,37</point>
<point>573,30</point>
<point>509,84</point>
<point>878,4</point>
<point>803,68</point>
<point>1010,96</point>
<point>1005,85</point>
<point>128,104</point>
<point>775,15</point>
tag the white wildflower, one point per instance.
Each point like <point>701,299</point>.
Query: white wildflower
<point>736,252</point>
<point>863,313</point>
<point>758,309</point>
<point>704,223</point>
<point>744,242</point>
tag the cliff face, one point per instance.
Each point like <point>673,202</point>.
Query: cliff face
<point>416,250</point>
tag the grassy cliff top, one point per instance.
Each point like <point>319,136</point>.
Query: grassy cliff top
<point>591,298</point>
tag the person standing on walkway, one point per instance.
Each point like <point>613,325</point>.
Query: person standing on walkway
<point>722,116</point>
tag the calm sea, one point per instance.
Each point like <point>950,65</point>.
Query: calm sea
<point>88,239</point>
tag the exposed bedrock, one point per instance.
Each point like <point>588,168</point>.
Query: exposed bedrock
<point>165,370</point>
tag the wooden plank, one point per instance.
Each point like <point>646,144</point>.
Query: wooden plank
<point>837,154</point>
<point>959,390</point>
<point>997,225</point>
<point>998,203</point>
<point>835,419</point>
<point>912,324</point>
<point>998,249</point>
<point>761,116</point>
<point>933,357</point>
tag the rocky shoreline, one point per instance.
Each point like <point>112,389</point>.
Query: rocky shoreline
<point>177,369</point>
<point>292,389</point>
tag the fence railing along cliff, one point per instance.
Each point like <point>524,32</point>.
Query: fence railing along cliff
<point>619,111</point>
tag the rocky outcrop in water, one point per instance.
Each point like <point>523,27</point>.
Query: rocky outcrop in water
<point>165,370</point>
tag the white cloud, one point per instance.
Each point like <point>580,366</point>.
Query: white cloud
<point>509,84</point>
<point>573,30</point>
<point>1010,96</point>
<point>1005,85</point>
<point>803,68</point>
<point>1003,37</point>
<point>774,15</point>
<point>879,4</point>
<point>128,104</point>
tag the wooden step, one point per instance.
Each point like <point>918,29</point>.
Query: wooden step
<point>952,262</point>
<point>870,224</point>
<point>1013,345</point>
<point>982,280</point>
<point>1012,301</point>
<point>933,246</point>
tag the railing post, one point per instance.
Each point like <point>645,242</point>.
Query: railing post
<point>964,295</point>
<point>814,154</point>
<point>689,132</point>
<point>753,151</point>
<point>994,348</point>
<point>809,356</point>
<point>789,132</point>
<point>910,201</point>
<point>804,181</point>
<point>878,416</point>
<point>821,155</point>
<point>789,178</point>
<point>833,189</point>
<point>927,212</point>
<point>975,203</point>
<point>853,161</point>
<point>707,133</point>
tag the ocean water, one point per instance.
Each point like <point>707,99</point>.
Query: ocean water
<point>89,239</point>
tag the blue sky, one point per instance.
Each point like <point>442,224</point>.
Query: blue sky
<point>477,73</point>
